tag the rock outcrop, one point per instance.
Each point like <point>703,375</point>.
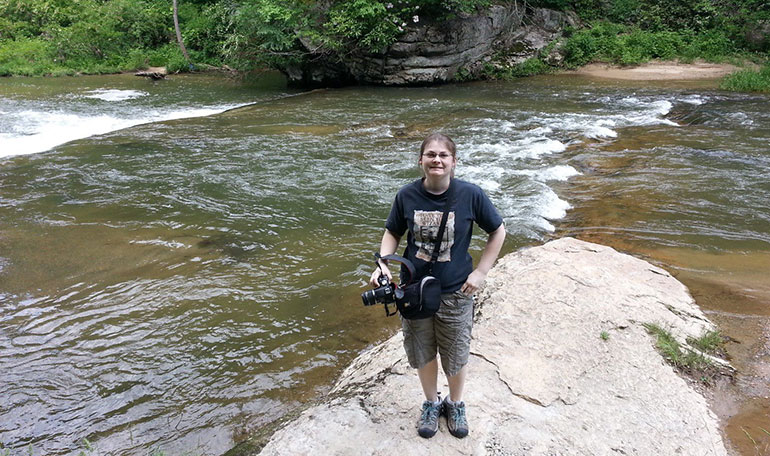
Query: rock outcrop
<point>433,52</point>
<point>561,365</point>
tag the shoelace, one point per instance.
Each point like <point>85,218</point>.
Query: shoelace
<point>458,416</point>
<point>429,413</point>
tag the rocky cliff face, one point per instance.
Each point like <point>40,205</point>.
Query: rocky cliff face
<point>430,53</point>
<point>542,381</point>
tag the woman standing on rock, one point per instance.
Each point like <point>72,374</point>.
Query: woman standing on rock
<point>418,208</point>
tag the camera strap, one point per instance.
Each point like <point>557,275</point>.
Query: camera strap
<point>409,267</point>
<point>450,201</point>
<point>400,259</point>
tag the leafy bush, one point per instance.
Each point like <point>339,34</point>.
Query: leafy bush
<point>366,23</point>
<point>694,15</point>
<point>267,32</point>
<point>711,45</point>
<point>26,56</point>
<point>626,45</point>
<point>586,45</point>
<point>207,30</point>
<point>91,36</point>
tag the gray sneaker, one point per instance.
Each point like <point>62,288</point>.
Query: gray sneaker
<point>428,424</point>
<point>455,418</point>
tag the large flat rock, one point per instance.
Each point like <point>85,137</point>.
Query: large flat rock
<point>542,381</point>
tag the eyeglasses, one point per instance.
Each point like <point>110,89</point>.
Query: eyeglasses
<point>432,155</point>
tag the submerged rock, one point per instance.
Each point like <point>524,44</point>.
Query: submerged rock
<point>561,365</point>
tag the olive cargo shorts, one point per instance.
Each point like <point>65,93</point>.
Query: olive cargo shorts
<point>448,331</point>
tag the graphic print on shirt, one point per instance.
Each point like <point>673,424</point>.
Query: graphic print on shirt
<point>426,225</point>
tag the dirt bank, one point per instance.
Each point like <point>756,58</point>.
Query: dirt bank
<point>652,71</point>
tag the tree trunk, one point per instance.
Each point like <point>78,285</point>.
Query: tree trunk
<point>179,34</point>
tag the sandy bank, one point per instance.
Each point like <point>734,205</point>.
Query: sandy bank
<point>654,71</point>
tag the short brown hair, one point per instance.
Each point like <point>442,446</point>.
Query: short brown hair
<point>442,138</point>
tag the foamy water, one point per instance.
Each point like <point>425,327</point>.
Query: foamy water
<point>115,94</point>
<point>38,130</point>
<point>530,147</point>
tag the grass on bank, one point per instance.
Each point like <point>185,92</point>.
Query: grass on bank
<point>689,361</point>
<point>748,80</point>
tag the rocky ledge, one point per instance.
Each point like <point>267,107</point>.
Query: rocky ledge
<point>432,52</point>
<point>561,365</point>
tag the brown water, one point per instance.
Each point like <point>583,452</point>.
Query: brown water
<point>177,284</point>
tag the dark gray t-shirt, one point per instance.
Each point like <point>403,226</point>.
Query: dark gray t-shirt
<point>419,212</point>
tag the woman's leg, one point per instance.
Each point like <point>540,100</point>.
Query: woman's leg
<point>456,385</point>
<point>428,375</point>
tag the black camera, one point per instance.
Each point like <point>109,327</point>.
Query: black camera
<point>386,293</point>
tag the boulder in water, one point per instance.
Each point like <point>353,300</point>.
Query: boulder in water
<point>561,364</point>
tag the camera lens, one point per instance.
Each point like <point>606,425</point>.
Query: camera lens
<point>368,298</point>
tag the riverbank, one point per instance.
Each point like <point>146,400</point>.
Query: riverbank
<point>658,71</point>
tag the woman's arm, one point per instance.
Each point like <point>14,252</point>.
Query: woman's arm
<point>388,246</point>
<point>488,257</point>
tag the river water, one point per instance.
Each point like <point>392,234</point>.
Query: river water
<point>181,261</point>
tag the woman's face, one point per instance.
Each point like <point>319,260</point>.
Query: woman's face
<point>436,160</point>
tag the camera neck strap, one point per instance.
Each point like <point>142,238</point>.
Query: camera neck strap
<point>408,264</point>
<point>450,201</point>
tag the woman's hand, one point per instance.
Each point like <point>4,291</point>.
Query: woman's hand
<point>474,281</point>
<point>387,246</point>
<point>382,270</point>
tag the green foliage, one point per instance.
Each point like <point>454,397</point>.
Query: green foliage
<point>749,80</point>
<point>586,45</point>
<point>627,45</point>
<point>26,56</point>
<point>169,56</point>
<point>207,30</point>
<point>98,36</point>
<point>624,11</point>
<point>711,342</point>
<point>694,15</point>
<point>366,23</point>
<point>711,45</point>
<point>530,67</point>
<point>267,32</point>
<point>675,354</point>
